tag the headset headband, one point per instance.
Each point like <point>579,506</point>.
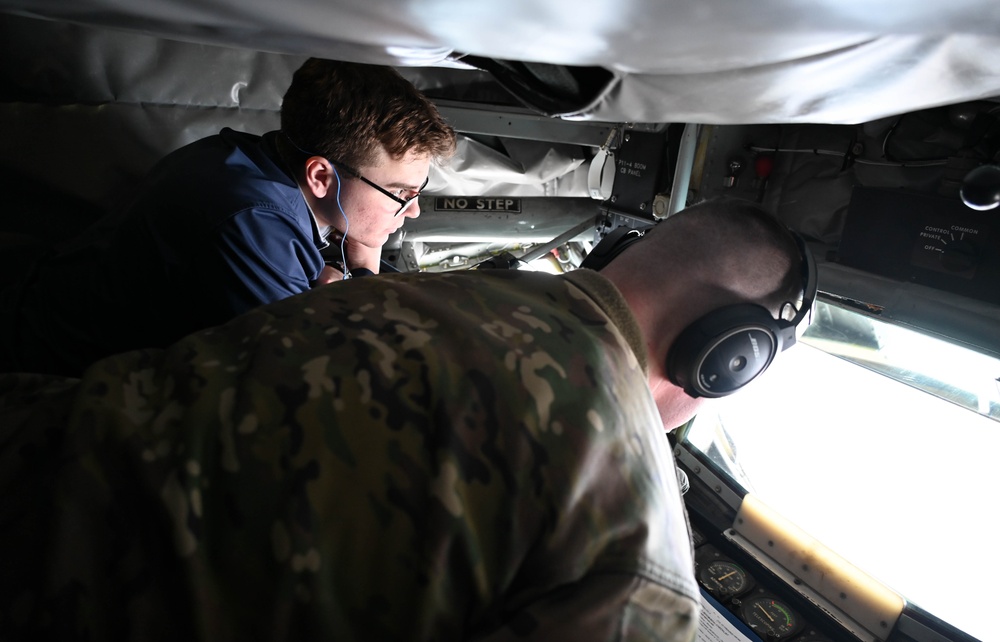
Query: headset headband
<point>611,246</point>
<point>790,329</point>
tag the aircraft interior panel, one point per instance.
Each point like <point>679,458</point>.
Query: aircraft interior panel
<point>875,187</point>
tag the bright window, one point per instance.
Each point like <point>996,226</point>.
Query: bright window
<point>882,443</point>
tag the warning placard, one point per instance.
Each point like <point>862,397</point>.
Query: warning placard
<point>477,204</point>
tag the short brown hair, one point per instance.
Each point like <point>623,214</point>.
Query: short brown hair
<point>344,111</point>
<point>728,250</point>
<point>738,241</point>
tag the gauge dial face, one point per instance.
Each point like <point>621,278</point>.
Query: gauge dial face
<point>723,578</point>
<point>770,617</point>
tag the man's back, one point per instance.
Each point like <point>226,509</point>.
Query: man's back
<point>411,457</point>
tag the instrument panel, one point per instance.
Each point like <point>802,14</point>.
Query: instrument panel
<point>747,594</point>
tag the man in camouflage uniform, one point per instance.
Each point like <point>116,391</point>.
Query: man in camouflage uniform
<point>469,455</point>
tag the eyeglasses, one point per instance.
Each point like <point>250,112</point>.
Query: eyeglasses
<point>403,203</point>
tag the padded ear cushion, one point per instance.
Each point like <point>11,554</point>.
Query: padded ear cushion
<point>724,350</point>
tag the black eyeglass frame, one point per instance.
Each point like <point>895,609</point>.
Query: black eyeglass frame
<point>403,203</point>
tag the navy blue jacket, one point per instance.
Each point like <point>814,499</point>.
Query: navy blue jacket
<point>217,227</point>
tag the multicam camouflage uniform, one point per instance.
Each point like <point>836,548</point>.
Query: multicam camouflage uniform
<point>413,457</point>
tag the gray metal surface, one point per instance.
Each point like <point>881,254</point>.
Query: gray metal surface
<point>537,220</point>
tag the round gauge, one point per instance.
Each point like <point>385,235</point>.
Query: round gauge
<point>770,617</point>
<point>723,578</point>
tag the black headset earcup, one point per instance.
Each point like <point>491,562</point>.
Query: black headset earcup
<point>724,350</point>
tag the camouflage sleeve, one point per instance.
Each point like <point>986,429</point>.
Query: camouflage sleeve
<point>414,457</point>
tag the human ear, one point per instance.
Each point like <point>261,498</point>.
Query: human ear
<point>319,175</point>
